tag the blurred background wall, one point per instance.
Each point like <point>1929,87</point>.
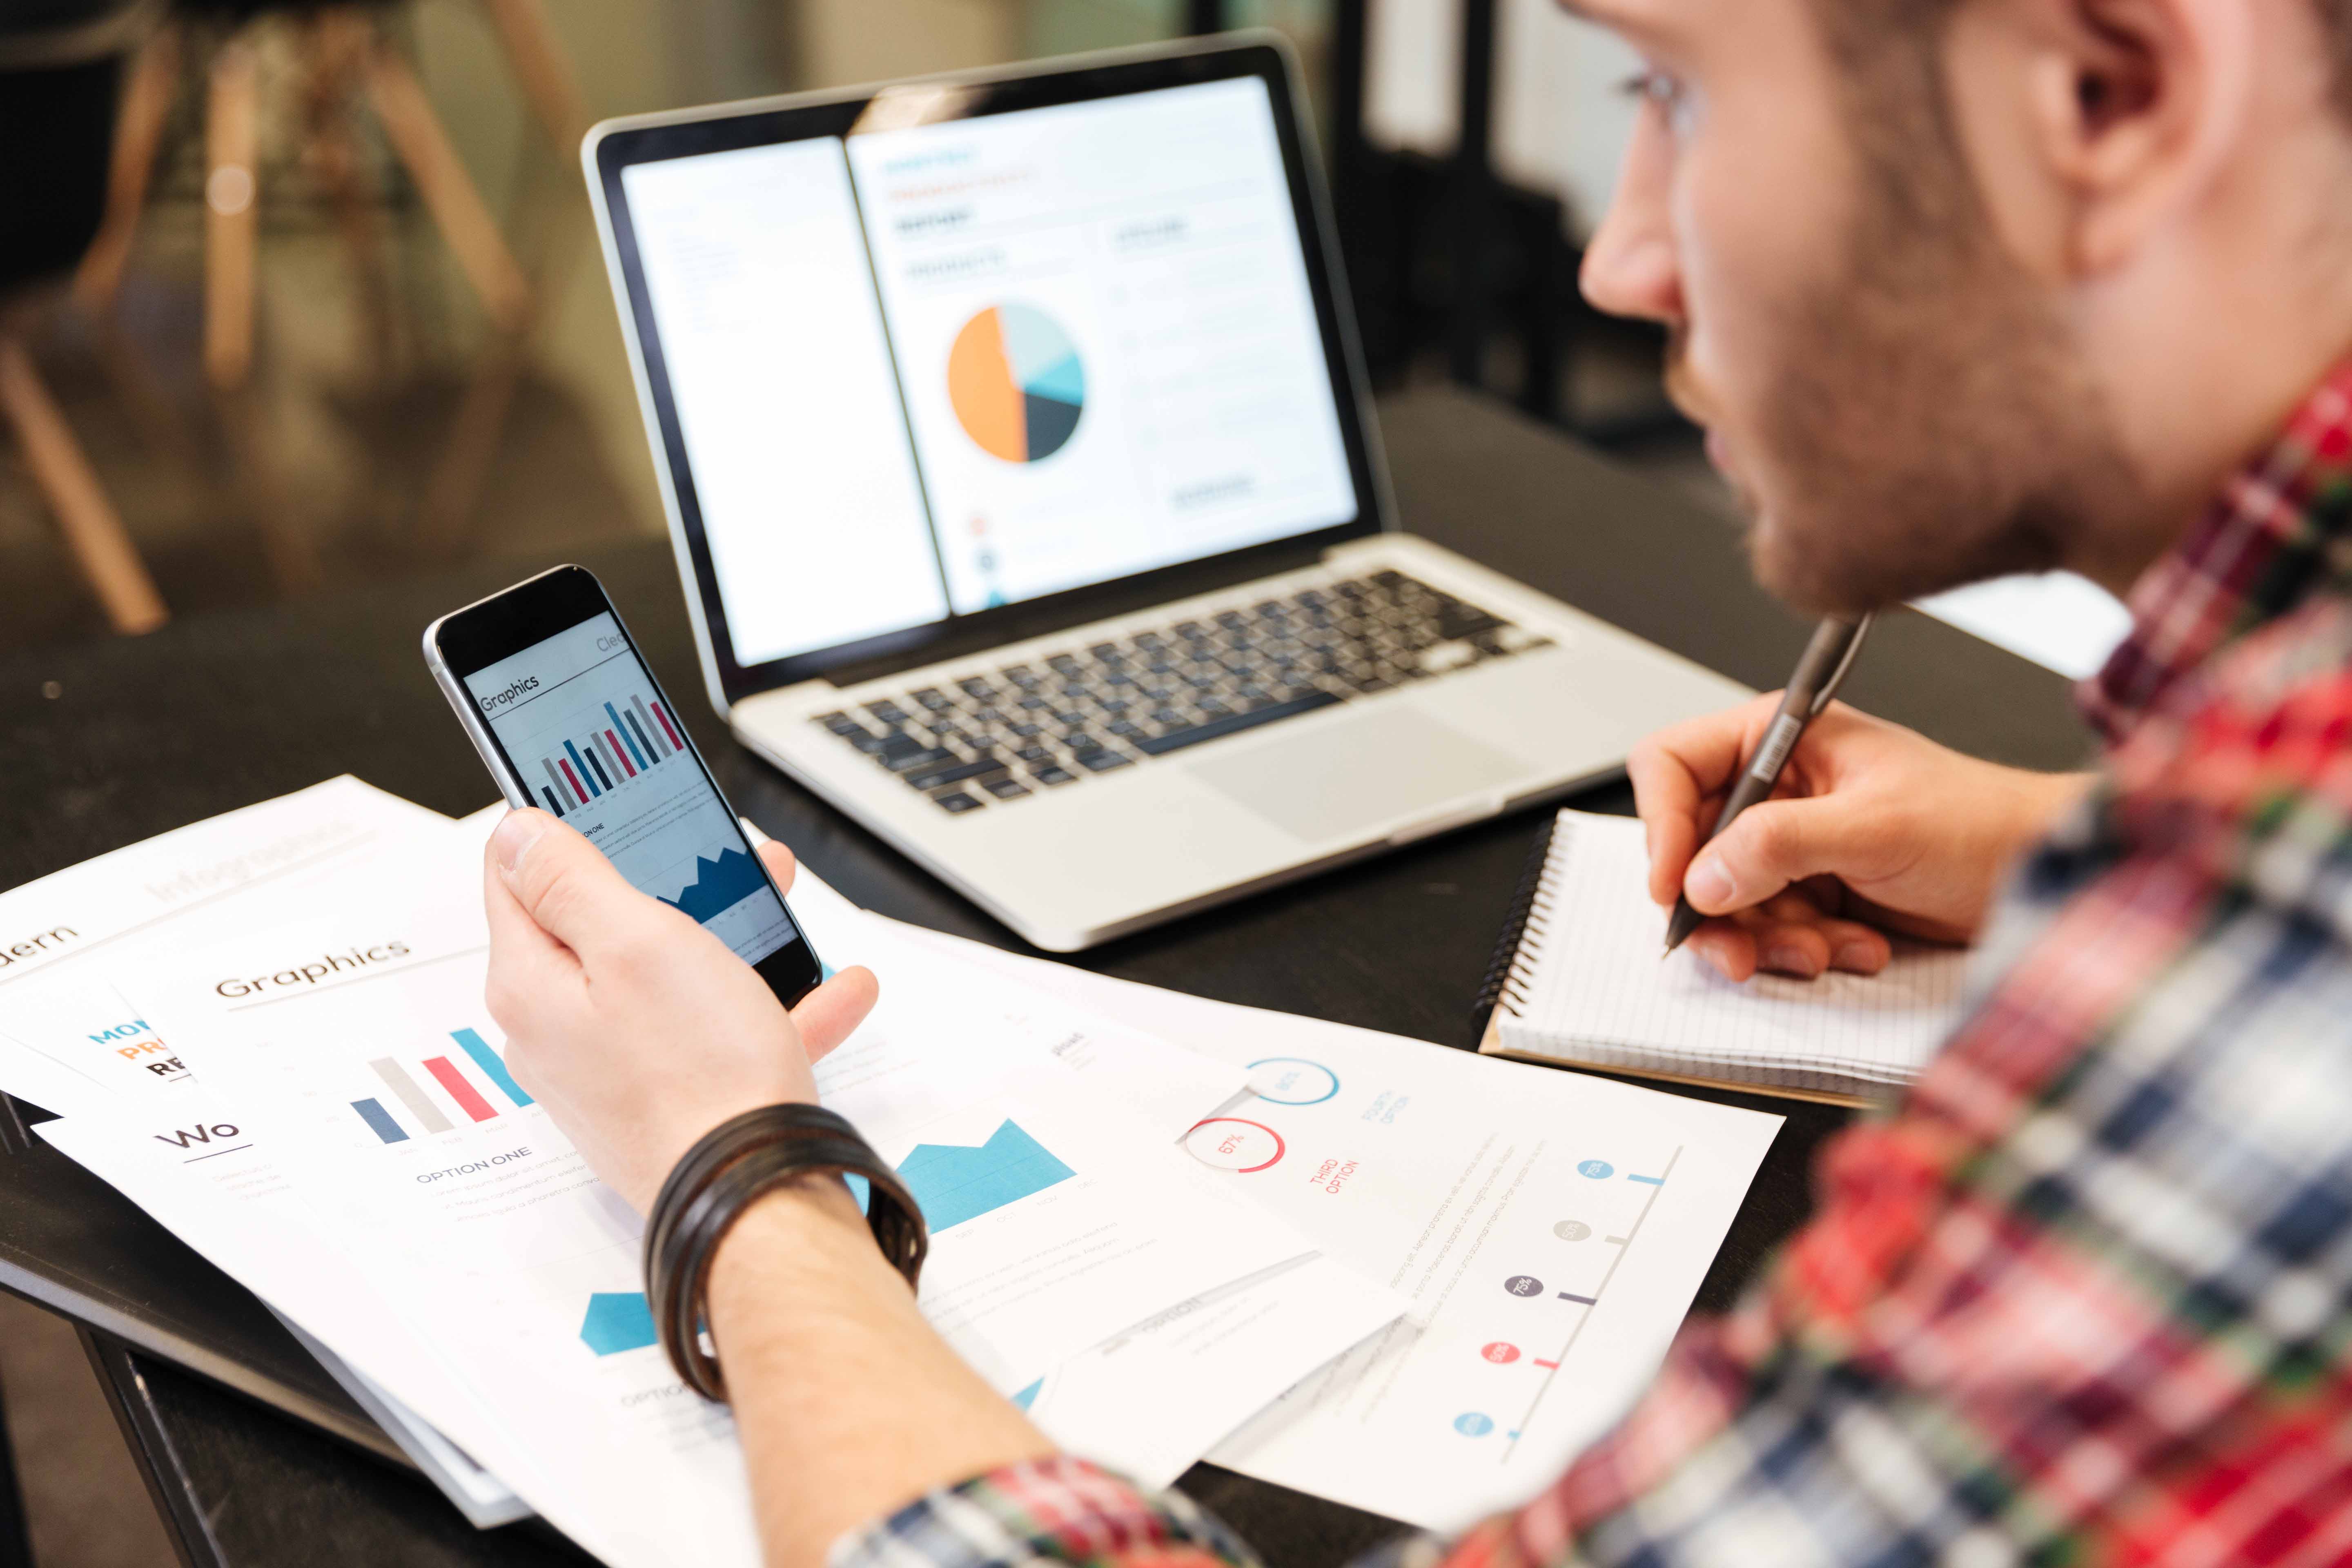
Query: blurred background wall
<point>389,414</point>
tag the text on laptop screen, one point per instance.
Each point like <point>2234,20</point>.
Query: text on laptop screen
<point>933,369</point>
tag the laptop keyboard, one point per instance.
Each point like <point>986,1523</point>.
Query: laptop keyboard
<point>999,738</point>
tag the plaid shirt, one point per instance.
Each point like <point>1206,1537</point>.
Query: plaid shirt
<point>2085,1297</point>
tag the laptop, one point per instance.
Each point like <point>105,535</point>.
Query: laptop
<point>1017,454</point>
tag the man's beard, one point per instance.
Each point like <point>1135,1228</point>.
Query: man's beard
<point>1930,426</point>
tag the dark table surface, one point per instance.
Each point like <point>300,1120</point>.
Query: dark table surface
<point>111,742</point>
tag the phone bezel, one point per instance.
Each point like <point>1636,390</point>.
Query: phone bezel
<point>531,611</point>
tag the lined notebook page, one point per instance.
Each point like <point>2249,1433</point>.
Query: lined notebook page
<point>1594,987</point>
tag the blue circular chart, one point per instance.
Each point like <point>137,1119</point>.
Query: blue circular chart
<point>1293,1080</point>
<point>1472,1425</point>
<point>1596,1169</point>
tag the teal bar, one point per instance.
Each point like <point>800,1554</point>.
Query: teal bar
<point>1652,1181</point>
<point>474,1045</point>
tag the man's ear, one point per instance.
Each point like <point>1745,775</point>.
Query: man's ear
<point>2135,106</point>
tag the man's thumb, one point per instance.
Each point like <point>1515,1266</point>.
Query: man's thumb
<point>1768,848</point>
<point>561,880</point>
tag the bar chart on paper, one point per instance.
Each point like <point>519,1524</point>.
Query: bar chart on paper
<point>435,1094</point>
<point>630,737</point>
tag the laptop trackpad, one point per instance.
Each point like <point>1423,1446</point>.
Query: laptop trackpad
<point>1340,778</point>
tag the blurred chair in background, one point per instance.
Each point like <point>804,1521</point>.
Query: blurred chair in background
<point>60,67</point>
<point>348,55</point>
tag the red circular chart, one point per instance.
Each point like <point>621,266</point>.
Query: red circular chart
<point>1229,1144</point>
<point>1501,1354</point>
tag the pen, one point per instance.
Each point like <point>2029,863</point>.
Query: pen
<point>1818,675</point>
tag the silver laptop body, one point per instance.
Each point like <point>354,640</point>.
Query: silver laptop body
<point>1015,449</point>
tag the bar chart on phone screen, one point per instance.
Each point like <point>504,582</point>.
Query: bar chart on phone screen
<point>599,748</point>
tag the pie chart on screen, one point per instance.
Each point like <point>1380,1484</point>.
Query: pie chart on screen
<point>1017,383</point>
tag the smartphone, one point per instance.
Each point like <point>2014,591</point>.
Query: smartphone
<point>552,691</point>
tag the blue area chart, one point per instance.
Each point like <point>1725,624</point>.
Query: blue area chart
<point>719,885</point>
<point>953,1183</point>
<point>618,1320</point>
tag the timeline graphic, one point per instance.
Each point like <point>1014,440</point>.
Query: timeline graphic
<point>1531,1287</point>
<point>422,1110</point>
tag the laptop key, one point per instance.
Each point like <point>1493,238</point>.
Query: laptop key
<point>1006,789</point>
<point>920,757</point>
<point>888,712</point>
<point>1214,729</point>
<point>1034,754</point>
<point>952,772</point>
<point>932,698</point>
<point>1102,761</point>
<point>956,803</point>
<point>1053,773</point>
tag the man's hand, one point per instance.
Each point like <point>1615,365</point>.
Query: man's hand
<point>1873,829</point>
<point>637,1028</point>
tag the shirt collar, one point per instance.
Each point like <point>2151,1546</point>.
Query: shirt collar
<point>2282,526</point>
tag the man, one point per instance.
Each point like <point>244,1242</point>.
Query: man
<point>1958,286</point>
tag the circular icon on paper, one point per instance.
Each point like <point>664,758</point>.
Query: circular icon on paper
<point>1231,1144</point>
<point>1474,1425</point>
<point>1293,1080</point>
<point>1523,1285</point>
<point>1571,1230</point>
<point>1596,1169</point>
<point>1500,1353</point>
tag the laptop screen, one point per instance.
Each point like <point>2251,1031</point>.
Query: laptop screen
<point>920,373</point>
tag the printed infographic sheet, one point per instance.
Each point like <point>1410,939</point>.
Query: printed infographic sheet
<point>74,1036</point>
<point>1548,1228</point>
<point>1060,1221</point>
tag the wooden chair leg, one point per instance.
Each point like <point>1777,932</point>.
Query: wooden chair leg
<point>94,529</point>
<point>232,215</point>
<point>546,76</point>
<point>423,146</point>
<point>337,42</point>
<point>138,132</point>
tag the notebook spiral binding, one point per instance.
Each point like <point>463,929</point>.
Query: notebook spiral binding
<point>1505,985</point>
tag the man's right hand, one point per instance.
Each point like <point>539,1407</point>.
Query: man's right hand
<point>1874,828</point>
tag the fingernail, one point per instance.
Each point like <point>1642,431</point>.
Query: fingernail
<point>1856,955</point>
<point>1708,884</point>
<point>1790,961</point>
<point>515,837</point>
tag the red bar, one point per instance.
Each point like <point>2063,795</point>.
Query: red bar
<point>665,724</point>
<point>574,779</point>
<point>1552,1364</point>
<point>464,1093</point>
<point>620,752</point>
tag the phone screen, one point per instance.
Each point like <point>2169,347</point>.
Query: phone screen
<point>585,728</point>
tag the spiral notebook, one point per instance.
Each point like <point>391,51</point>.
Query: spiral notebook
<point>1579,980</point>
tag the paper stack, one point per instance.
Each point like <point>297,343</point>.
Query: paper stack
<point>1345,1262</point>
